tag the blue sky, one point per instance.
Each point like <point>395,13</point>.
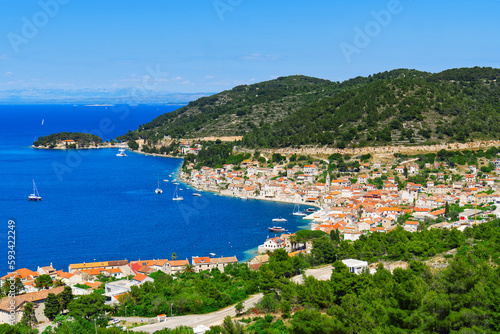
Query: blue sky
<point>213,45</point>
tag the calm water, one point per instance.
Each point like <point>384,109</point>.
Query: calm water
<point>97,206</point>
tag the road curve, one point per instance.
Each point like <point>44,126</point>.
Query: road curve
<point>216,318</point>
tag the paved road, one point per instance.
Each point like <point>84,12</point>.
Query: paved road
<point>211,319</point>
<point>216,318</point>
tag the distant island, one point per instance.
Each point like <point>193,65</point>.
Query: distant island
<point>68,140</point>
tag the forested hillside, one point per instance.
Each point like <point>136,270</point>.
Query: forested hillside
<point>396,107</point>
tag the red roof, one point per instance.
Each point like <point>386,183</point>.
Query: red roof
<point>135,267</point>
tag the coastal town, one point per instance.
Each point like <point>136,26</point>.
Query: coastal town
<point>369,196</point>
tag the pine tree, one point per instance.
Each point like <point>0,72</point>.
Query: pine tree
<point>65,297</point>
<point>52,306</point>
<point>28,315</point>
<point>446,209</point>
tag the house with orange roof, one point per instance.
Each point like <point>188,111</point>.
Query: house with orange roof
<point>93,285</point>
<point>176,266</point>
<point>93,265</point>
<point>29,286</point>
<point>69,278</point>
<point>390,186</point>
<point>24,275</point>
<point>160,264</point>
<point>470,178</point>
<point>16,305</point>
<point>201,263</point>
<point>411,226</point>
<point>310,169</point>
<point>392,212</point>
<point>365,225</point>
<point>438,213</point>
<point>141,279</point>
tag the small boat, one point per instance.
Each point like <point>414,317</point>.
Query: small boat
<point>176,195</point>
<point>35,197</point>
<point>297,212</point>
<point>122,153</point>
<point>158,190</point>
<point>211,254</point>
<point>165,180</point>
<point>176,183</point>
<point>310,210</point>
<point>279,220</point>
<point>196,194</point>
<point>181,189</point>
<point>244,197</point>
<point>276,229</point>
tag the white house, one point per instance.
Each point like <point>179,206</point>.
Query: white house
<point>271,245</point>
<point>355,266</point>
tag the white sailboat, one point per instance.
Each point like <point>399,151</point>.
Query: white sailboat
<point>158,190</point>
<point>176,195</point>
<point>35,196</point>
<point>279,220</point>
<point>297,212</point>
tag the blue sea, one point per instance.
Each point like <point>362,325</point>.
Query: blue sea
<point>97,206</point>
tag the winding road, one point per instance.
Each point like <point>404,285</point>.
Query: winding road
<point>216,318</point>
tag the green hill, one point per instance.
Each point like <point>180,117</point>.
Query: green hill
<point>398,107</point>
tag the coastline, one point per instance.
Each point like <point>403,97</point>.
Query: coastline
<point>182,177</point>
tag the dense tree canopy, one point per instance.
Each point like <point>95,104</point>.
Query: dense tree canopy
<point>398,107</point>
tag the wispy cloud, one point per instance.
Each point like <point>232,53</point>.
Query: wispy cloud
<point>8,74</point>
<point>209,77</point>
<point>4,57</point>
<point>261,57</point>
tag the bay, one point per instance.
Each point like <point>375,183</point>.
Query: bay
<point>97,206</point>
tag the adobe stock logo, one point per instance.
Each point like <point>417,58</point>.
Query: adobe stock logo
<point>372,29</point>
<point>40,19</point>
<point>223,6</point>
